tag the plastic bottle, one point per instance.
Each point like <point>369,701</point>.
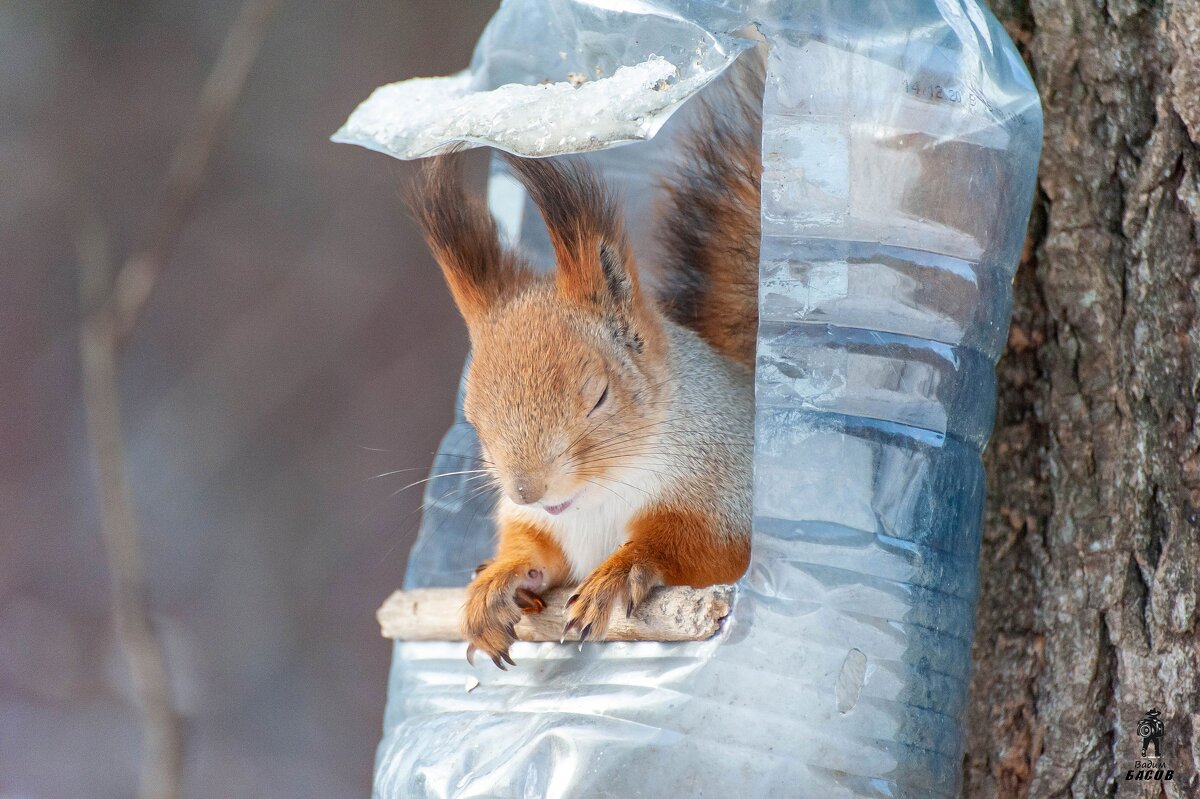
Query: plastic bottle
<point>900,142</point>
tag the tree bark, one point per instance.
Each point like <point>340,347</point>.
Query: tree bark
<point>1091,547</point>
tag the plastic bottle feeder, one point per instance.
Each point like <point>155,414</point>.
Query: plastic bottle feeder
<point>900,147</point>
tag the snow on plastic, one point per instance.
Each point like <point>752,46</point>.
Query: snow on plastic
<point>420,117</point>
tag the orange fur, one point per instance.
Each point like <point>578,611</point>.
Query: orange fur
<point>560,334</point>
<point>596,267</point>
<point>687,549</point>
<point>586,397</point>
<point>710,224</point>
<point>528,560</point>
<point>463,239</point>
<point>667,546</point>
<point>523,543</point>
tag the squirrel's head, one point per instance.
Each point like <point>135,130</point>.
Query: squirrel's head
<point>567,381</point>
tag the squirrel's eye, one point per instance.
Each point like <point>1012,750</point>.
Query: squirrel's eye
<point>599,402</point>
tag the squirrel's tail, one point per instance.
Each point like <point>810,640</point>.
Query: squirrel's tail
<point>710,229</point>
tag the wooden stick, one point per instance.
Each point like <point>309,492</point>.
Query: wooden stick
<point>668,614</point>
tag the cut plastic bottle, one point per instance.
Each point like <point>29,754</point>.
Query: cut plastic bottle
<point>900,142</point>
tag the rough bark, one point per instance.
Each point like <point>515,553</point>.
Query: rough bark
<point>1092,533</point>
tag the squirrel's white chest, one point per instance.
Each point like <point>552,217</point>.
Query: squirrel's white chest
<point>588,535</point>
<point>597,523</point>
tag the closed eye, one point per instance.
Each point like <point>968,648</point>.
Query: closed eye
<point>599,402</point>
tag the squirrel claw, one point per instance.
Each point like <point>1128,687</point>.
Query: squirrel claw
<point>508,658</point>
<point>570,625</point>
<point>471,655</point>
<point>499,664</point>
<point>571,600</point>
<point>528,601</point>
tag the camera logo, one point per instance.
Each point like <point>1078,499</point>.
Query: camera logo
<point>1150,729</point>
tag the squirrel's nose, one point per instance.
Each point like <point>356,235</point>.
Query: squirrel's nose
<point>528,490</point>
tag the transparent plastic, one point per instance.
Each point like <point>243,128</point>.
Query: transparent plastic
<point>900,143</point>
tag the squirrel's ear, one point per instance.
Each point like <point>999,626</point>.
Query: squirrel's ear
<point>595,264</point>
<point>463,238</point>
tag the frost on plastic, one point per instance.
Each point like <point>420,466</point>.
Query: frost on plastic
<point>900,145</point>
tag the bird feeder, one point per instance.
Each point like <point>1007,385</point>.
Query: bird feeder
<point>900,145</point>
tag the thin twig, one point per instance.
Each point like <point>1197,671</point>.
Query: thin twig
<point>186,175</point>
<point>110,314</point>
<point>162,727</point>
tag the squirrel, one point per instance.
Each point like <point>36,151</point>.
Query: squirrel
<point>617,424</point>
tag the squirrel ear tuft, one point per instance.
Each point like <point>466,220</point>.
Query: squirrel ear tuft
<point>617,272</point>
<point>595,264</point>
<point>463,238</point>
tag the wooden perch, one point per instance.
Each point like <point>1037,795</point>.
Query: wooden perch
<point>668,614</point>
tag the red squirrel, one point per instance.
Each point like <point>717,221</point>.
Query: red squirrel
<point>618,425</point>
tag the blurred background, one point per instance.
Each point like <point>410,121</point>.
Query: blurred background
<point>299,342</point>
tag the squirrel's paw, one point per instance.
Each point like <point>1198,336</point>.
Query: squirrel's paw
<point>496,600</point>
<point>527,600</point>
<point>490,615</point>
<point>609,587</point>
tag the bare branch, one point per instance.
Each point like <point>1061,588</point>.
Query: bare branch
<point>162,729</point>
<point>110,312</point>
<point>186,175</point>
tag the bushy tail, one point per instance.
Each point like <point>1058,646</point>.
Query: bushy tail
<point>710,228</point>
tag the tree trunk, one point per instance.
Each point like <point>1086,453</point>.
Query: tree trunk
<point>1091,547</point>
